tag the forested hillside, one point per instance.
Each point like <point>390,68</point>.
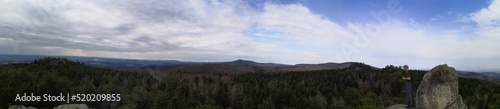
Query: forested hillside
<point>358,86</point>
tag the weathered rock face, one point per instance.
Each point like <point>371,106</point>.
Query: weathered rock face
<point>397,106</point>
<point>20,107</point>
<point>439,90</point>
<point>72,106</point>
<point>64,106</point>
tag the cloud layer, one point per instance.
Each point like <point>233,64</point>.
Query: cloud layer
<point>218,30</point>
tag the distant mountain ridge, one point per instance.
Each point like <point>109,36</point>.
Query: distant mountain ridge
<point>233,67</point>
<point>490,76</point>
<point>113,63</point>
<point>245,66</point>
<point>172,66</point>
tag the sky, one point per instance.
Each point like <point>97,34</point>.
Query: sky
<point>464,34</point>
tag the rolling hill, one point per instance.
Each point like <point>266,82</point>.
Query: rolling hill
<point>232,67</point>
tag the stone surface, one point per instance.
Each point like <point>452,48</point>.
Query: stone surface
<point>439,90</point>
<point>20,107</point>
<point>397,106</point>
<point>72,106</point>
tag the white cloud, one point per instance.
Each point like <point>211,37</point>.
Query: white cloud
<point>425,48</point>
<point>404,44</point>
<point>435,18</point>
<point>302,25</point>
<point>488,16</point>
<point>92,15</point>
<point>488,20</point>
<point>176,27</point>
<point>104,25</point>
<point>227,30</point>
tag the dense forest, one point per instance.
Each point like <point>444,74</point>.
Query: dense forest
<point>359,86</point>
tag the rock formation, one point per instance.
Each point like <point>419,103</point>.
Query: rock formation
<point>72,106</point>
<point>439,90</point>
<point>64,106</point>
<point>20,107</point>
<point>397,106</point>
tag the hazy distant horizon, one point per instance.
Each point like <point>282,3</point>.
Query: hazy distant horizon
<point>419,33</point>
<point>425,69</point>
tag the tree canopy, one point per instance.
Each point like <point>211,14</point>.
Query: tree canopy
<point>358,86</point>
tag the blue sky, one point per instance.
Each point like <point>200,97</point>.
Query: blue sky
<point>445,12</point>
<point>420,33</point>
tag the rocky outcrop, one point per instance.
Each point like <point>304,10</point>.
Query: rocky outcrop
<point>72,106</point>
<point>397,106</point>
<point>20,107</point>
<point>439,90</point>
<point>64,106</point>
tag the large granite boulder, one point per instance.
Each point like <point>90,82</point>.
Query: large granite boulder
<point>64,106</point>
<point>397,106</point>
<point>72,106</point>
<point>20,107</point>
<point>439,90</point>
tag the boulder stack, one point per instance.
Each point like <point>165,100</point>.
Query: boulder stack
<point>439,90</point>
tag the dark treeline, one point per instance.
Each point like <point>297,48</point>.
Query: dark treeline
<point>358,86</point>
